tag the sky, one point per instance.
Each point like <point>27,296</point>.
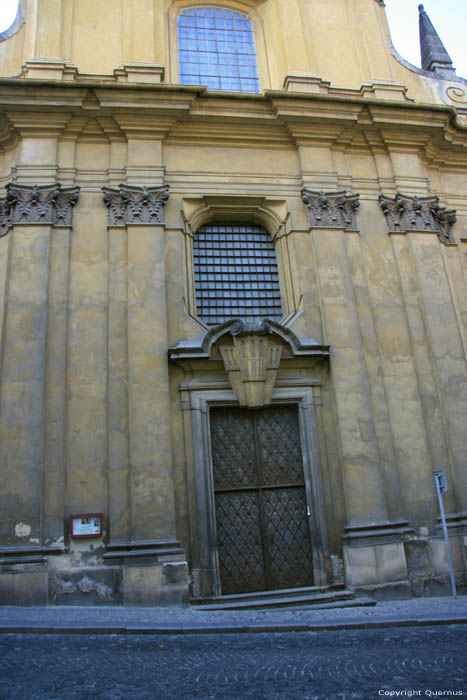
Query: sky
<point>448,16</point>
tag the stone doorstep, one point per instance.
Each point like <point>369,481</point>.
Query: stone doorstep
<point>308,590</point>
<point>312,597</point>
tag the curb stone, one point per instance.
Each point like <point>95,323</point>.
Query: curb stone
<point>225,629</point>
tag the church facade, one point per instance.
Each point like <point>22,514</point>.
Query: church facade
<point>233,302</point>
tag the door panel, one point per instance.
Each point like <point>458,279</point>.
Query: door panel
<point>278,438</point>
<point>240,542</point>
<point>287,538</point>
<point>233,448</point>
<point>263,535</point>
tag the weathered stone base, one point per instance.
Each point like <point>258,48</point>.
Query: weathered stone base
<point>374,559</point>
<point>93,586</point>
<point>164,583</point>
<point>387,562</point>
<point>201,582</point>
<point>24,574</point>
<point>428,568</point>
<point>25,584</point>
<point>160,584</point>
<point>375,564</point>
<point>399,590</point>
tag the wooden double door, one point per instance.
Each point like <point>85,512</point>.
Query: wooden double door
<point>262,516</point>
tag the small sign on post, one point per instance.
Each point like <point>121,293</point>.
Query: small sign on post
<point>440,481</point>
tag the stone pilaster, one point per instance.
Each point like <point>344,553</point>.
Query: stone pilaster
<point>364,486</point>
<point>448,356</point>
<point>417,217</point>
<point>56,362</point>
<point>371,540</point>
<point>151,523</point>
<point>374,361</point>
<point>118,409</point>
<point>36,215</point>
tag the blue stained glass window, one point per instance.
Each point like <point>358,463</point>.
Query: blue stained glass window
<point>217,49</point>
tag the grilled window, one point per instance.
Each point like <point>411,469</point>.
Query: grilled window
<point>217,49</point>
<point>235,273</point>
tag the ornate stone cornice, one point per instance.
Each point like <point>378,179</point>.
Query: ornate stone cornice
<point>331,209</point>
<point>37,204</point>
<point>404,214</point>
<point>135,205</point>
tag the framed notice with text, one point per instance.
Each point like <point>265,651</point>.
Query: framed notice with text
<point>86,525</point>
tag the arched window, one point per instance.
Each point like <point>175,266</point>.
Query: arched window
<point>11,18</point>
<point>236,273</point>
<point>217,49</point>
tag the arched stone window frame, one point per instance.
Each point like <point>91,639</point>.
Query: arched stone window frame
<point>246,7</point>
<point>273,215</point>
<point>17,23</point>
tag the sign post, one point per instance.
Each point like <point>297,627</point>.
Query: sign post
<point>440,481</point>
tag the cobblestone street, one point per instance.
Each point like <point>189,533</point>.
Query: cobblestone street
<point>365,664</point>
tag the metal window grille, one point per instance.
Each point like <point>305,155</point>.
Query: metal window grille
<point>217,49</point>
<point>235,273</point>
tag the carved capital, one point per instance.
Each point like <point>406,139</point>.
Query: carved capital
<point>31,204</point>
<point>38,204</point>
<point>251,364</point>
<point>135,205</point>
<point>5,217</point>
<point>404,214</point>
<point>116,207</point>
<point>64,202</point>
<point>331,209</point>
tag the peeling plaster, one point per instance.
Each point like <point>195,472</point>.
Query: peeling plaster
<point>84,584</point>
<point>86,553</point>
<point>22,530</point>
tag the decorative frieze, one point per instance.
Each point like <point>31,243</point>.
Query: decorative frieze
<point>404,214</point>
<point>331,209</point>
<point>37,204</point>
<point>135,205</point>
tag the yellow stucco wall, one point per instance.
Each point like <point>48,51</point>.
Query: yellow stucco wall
<point>346,43</point>
<point>91,416</point>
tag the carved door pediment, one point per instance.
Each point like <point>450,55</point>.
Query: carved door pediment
<point>251,354</point>
<point>251,364</point>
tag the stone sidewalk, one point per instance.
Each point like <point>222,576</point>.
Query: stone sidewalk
<point>195,620</point>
